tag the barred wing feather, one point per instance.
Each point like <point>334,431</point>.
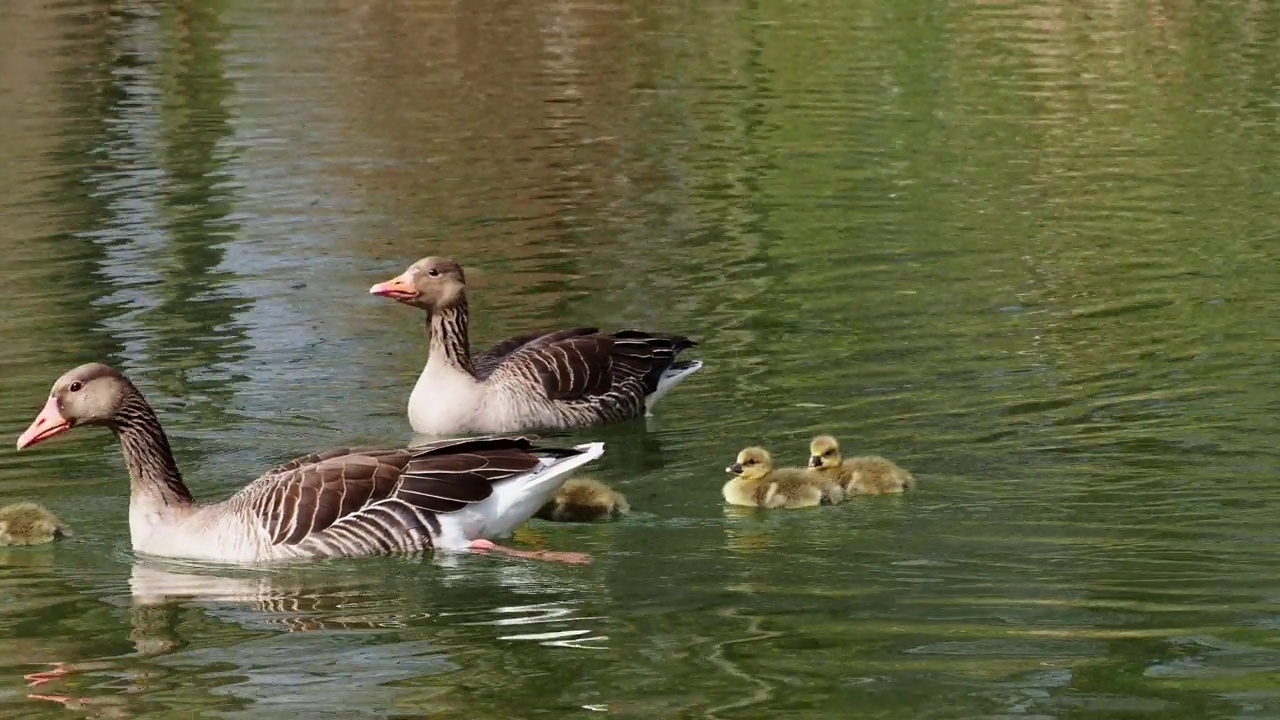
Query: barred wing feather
<point>629,362</point>
<point>351,501</point>
<point>485,363</point>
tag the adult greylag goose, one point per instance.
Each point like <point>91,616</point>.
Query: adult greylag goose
<point>757,483</point>
<point>551,380</point>
<point>451,494</point>
<point>866,475</point>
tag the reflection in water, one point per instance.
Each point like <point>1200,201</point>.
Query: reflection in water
<point>758,690</point>
<point>63,247</point>
<point>163,240</point>
<point>315,674</point>
<point>1028,248</point>
<point>539,614</point>
<point>306,599</point>
<point>192,328</point>
<point>359,638</point>
<point>269,600</point>
<point>144,189</point>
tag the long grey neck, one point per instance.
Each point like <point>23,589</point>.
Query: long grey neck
<point>153,473</point>
<point>447,328</point>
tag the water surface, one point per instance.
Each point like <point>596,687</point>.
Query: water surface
<point>1026,250</point>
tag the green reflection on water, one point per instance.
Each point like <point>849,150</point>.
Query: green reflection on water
<point>1025,250</point>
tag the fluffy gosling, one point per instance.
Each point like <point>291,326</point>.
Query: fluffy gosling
<point>584,499</point>
<point>867,475</point>
<point>758,484</point>
<point>29,524</point>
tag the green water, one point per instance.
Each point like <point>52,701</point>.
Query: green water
<point>1026,249</point>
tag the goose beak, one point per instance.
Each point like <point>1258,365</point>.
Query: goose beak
<point>815,461</point>
<point>735,468</point>
<point>47,424</point>
<point>399,287</point>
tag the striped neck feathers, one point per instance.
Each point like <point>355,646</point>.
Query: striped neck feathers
<point>152,470</point>
<point>447,330</point>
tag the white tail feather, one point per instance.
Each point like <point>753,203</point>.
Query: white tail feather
<point>513,501</point>
<point>669,380</point>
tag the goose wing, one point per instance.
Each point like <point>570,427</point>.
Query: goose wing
<point>485,363</point>
<point>664,348</point>
<point>381,500</point>
<point>583,366</point>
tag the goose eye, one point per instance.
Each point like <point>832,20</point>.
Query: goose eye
<point>75,386</point>
<point>433,272</point>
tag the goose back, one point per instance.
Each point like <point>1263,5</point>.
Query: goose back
<point>361,501</point>
<point>577,380</point>
<point>486,362</point>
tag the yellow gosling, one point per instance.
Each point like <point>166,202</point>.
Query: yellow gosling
<point>866,475</point>
<point>584,499</point>
<point>758,484</point>
<point>29,524</point>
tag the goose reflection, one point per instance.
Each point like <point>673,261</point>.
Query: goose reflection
<point>342,630</point>
<point>326,598</point>
<point>264,600</point>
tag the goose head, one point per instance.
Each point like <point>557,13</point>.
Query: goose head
<point>752,463</point>
<point>431,283</point>
<point>824,452</point>
<point>88,395</point>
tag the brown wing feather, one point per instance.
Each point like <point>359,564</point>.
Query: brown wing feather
<point>317,457</point>
<point>585,365</point>
<point>579,367</point>
<point>486,362</point>
<point>660,352</point>
<point>315,492</point>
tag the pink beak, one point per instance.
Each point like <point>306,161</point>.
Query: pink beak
<point>47,424</point>
<point>396,288</point>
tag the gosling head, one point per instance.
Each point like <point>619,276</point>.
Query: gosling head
<point>91,394</point>
<point>752,463</point>
<point>432,283</point>
<point>824,452</point>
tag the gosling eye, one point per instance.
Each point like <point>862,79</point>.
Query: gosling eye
<point>75,386</point>
<point>829,453</point>
<point>433,272</point>
<point>749,462</point>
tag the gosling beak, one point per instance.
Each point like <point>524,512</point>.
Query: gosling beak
<point>399,287</point>
<point>735,468</point>
<point>47,424</point>
<point>815,461</point>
